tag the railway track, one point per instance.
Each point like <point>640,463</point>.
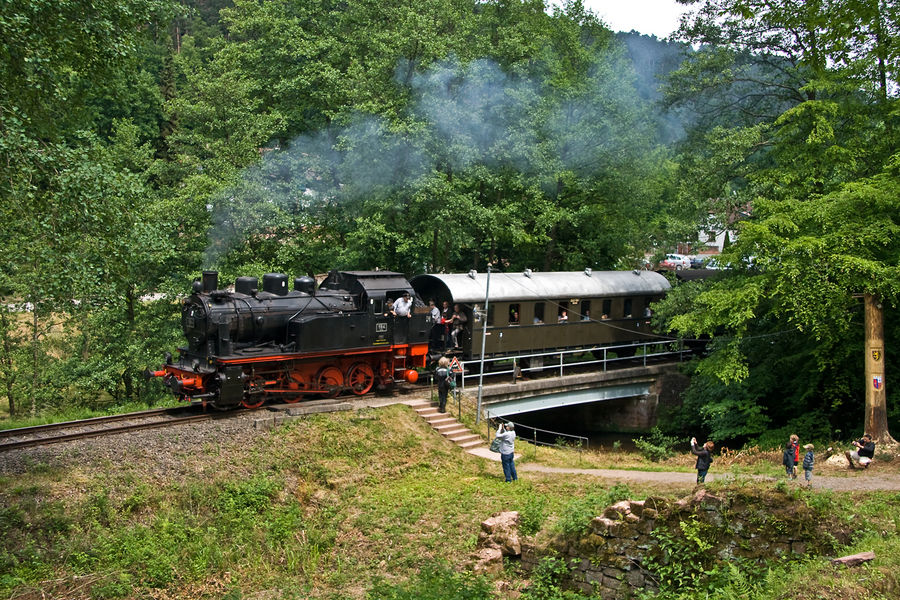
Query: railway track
<point>53,433</point>
<point>41,435</point>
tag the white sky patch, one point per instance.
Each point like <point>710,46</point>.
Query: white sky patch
<point>650,17</point>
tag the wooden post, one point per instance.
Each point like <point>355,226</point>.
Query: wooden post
<point>876,423</point>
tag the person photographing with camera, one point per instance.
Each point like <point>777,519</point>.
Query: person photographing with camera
<point>864,453</point>
<point>704,458</point>
<point>506,433</point>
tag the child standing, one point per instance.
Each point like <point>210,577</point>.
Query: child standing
<point>808,461</point>
<point>789,459</point>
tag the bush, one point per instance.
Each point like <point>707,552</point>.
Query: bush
<point>657,446</point>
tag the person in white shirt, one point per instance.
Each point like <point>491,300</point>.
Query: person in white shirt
<point>402,306</point>
<point>507,434</point>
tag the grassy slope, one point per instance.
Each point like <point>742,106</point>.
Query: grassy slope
<point>318,509</point>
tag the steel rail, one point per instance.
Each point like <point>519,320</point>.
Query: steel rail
<point>66,437</point>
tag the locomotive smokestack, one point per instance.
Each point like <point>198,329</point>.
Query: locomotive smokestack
<point>210,281</point>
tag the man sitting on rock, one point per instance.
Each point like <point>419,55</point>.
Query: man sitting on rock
<point>864,453</point>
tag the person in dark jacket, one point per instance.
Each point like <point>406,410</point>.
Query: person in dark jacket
<point>808,462</point>
<point>704,458</point>
<point>791,456</point>
<point>789,460</point>
<point>864,453</point>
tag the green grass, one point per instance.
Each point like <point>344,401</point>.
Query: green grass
<point>333,506</point>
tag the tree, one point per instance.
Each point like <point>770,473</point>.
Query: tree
<point>801,137</point>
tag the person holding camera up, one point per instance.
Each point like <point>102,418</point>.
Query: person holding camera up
<point>864,453</point>
<point>506,433</point>
<point>704,458</point>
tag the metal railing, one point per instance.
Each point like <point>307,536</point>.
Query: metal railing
<point>579,441</point>
<point>641,352</point>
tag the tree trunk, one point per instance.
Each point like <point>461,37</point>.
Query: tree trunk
<point>35,336</point>
<point>876,423</point>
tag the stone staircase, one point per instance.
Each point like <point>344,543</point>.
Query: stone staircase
<point>447,425</point>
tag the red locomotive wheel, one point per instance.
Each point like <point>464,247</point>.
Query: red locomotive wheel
<point>331,380</point>
<point>360,378</point>
<point>296,383</point>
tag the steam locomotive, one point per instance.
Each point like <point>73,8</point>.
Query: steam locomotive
<point>249,345</point>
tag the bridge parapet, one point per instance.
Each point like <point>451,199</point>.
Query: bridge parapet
<point>637,391</point>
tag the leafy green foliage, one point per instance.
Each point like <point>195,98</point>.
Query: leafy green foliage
<point>576,518</point>
<point>657,446</point>
<point>434,582</point>
<point>547,579</point>
<point>684,564</point>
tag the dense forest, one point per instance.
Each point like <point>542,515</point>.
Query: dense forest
<point>144,140</point>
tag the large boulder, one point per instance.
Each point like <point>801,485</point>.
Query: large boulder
<point>501,531</point>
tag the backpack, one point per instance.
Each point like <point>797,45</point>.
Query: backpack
<point>443,376</point>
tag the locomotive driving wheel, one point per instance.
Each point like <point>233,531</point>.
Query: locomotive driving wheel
<point>255,394</point>
<point>360,378</point>
<point>295,386</point>
<point>331,380</point>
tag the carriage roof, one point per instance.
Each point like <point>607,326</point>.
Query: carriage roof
<point>469,288</point>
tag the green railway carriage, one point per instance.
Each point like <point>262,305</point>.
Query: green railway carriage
<point>545,311</point>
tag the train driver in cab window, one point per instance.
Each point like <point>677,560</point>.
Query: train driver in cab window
<point>402,306</point>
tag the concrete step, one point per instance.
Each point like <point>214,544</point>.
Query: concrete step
<point>470,444</point>
<point>452,430</point>
<point>462,437</point>
<point>447,425</point>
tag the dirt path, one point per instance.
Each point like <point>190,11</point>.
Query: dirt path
<point>860,480</point>
<point>856,481</point>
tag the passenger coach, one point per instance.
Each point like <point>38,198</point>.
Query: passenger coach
<point>535,311</point>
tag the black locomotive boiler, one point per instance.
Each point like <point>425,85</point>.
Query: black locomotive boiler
<point>247,345</point>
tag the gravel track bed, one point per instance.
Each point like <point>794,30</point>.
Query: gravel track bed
<point>168,447</point>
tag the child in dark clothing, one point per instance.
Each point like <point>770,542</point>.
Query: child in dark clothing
<point>808,461</point>
<point>789,459</point>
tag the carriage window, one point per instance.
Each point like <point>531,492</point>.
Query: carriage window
<point>607,308</point>
<point>513,314</point>
<point>538,313</point>
<point>562,314</point>
<point>490,319</point>
<point>377,305</point>
<point>647,311</point>
<point>627,308</point>
<point>586,310</point>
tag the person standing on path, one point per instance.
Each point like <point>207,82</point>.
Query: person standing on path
<point>789,459</point>
<point>507,435</point>
<point>808,462</point>
<point>704,458</point>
